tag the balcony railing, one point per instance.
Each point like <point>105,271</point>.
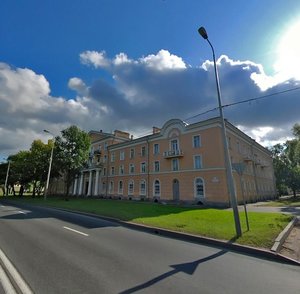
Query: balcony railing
<point>173,153</point>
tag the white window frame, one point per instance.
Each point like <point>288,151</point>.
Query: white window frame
<point>130,187</point>
<point>131,153</point>
<point>120,187</point>
<point>154,166</point>
<point>195,188</point>
<point>195,145</point>
<point>143,167</point>
<point>122,155</point>
<point>121,169</point>
<point>143,192</point>
<point>154,188</point>
<point>113,156</point>
<point>177,165</point>
<point>174,145</point>
<point>111,187</point>
<point>112,170</point>
<point>131,168</point>
<point>201,164</point>
<point>143,151</point>
<point>156,150</point>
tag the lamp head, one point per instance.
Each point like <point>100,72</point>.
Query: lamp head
<point>203,33</point>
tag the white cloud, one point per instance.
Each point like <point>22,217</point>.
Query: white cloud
<point>97,59</point>
<point>163,60</point>
<point>144,92</point>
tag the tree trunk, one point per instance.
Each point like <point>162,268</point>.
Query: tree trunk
<point>294,193</point>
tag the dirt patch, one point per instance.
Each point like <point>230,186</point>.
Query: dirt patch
<point>291,246</point>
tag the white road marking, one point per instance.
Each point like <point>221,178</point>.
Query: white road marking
<point>6,283</point>
<point>78,232</point>
<point>21,284</point>
<point>20,211</point>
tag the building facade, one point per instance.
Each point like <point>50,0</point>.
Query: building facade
<point>178,162</point>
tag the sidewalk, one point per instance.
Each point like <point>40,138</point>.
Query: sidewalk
<point>291,246</point>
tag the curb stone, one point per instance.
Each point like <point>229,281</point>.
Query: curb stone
<point>283,235</point>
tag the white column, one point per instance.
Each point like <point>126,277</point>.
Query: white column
<point>90,184</point>
<point>75,186</point>
<point>96,192</point>
<point>80,184</point>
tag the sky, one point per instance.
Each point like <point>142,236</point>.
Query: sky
<point>134,64</point>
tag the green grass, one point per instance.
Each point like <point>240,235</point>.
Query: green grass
<point>213,223</point>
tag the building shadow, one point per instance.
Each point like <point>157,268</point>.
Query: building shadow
<point>187,268</point>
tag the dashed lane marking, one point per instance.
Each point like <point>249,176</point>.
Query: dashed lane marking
<point>75,231</point>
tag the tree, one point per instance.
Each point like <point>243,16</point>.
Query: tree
<point>71,153</point>
<point>286,160</point>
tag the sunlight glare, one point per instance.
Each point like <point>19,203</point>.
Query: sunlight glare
<point>288,53</point>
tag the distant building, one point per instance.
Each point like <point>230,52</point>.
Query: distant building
<point>178,162</point>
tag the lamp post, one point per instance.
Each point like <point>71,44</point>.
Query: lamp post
<point>228,166</point>
<point>49,170</point>
<point>6,178</point>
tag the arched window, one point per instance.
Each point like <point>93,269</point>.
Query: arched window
<point>156,188</point>
<point>142,187</point>
<point>120,188</point>
<point>199,188</point>
<point>111,187</point>
<point>130,187</point>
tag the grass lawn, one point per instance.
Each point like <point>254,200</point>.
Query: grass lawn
<point>213,223</point>
<point>284,201</point>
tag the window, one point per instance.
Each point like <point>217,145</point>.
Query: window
<point>120,188</point>
<point>175,164</point>
<point>111,187</point>
<point>122,155</point>
<point>105,146</point>
<point>199,188</point>
<point>105,158</point>
<point>113,155</point>
<point>103,186</point>
<point>196,141</point>
<point>143,151</point>
<point>197,161</point>
<point>130,187</point>
<point>121,170</point>
<point>112,171</point>
<point>174,145</point>
<point>156,149</point>
<point>143,167</point>
<point>143,187</point>
<point>156,166</point>
<point>156,188</point>
<point>131,168</point>
<point>104,171</point>
<point>131,155</point>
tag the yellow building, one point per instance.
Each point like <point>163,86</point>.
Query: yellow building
<point>179,162</point>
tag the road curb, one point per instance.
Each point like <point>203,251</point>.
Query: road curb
<point>253,251</point>
<point>283,235</point>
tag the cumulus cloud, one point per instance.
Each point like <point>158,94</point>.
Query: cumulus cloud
<point>144,92</point>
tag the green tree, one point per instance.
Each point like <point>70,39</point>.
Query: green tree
<point>71,153</point>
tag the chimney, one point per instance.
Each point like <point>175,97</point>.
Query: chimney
<point>155,130</point>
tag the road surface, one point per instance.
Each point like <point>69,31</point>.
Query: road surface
<point>60,252</point>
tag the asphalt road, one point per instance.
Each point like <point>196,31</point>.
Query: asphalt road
<point>59,252</point>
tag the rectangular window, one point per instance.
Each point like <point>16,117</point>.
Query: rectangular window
<point>175,164</point>
<point>105,146</point>
<point>121,170</point>
<point>111,187</point>
<point>197,161</point>
<point>143,151</point>
<point>143,167</point>
<point>104,158</point>
<point>104,171</point>
<point>122,155</point>
<point>156,166</point>
<point>131,168</point>
<point>156,149</point>
<point>112,159</point>
<point>131,153</point>
<point>130,188</point>
<point>196,141</point>
<point>112,171</point>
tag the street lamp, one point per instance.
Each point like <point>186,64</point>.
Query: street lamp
<point>6,178</point>
<point>49,170</point>
<point>228,166</point>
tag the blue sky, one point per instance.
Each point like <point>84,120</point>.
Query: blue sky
<point>132,64</point>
